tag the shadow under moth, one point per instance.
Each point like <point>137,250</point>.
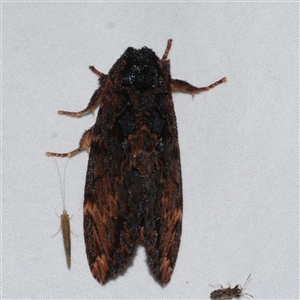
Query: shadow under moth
<point>133,189</point>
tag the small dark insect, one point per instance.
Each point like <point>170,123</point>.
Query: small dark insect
<point>133,189</point>
<point>65,221</point>
<point>230,293</point>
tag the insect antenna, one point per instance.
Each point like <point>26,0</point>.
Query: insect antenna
<point>244,286</point>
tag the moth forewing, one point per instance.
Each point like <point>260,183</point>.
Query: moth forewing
<point>66,232</point>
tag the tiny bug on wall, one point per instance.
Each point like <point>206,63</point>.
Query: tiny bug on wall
<point>65,227</point>
<point>133,189</point>
<point>230,293</point>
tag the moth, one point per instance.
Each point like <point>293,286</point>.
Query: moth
<point>65,227</point>
<point>66,232</point>
<point>230,293</point>
<point>133,189</point>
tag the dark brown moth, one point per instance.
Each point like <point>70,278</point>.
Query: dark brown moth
<point>230,293</point>
<point>65,222</point>
<point>133,189</point>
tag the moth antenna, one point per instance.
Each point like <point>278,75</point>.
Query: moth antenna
<point>64,186</point>
<point>62,183</point>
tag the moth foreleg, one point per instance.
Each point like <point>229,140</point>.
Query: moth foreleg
<point>96,98</point>
<point>180,85</point>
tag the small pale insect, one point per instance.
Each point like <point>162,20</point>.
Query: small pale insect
<point>65,221</point>
<point>230,293</point>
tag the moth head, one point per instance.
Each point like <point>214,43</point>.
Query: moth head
<point>139,69</point>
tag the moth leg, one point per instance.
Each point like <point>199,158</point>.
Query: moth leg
<point>57,232</point>
<point>94,100</point>
<point>214,285</point>
<point>169,44</point>
<point>60,225</point>
<point>94,70</point>
<point>84,144</point>
<point>180,85</point>
<point>246,294</point>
